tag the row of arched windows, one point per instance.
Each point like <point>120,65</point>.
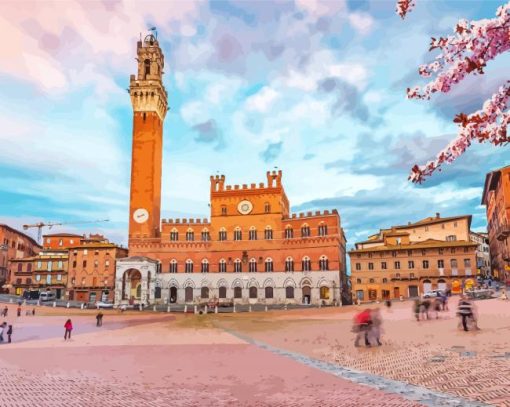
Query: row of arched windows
<point>253,292</point>
<point>252,233</point>
<point>306,265</point>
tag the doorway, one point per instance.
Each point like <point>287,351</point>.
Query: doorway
<point>173,295</point>
<point>58,293</point>
<point>307,294</point>
<point>396,292</point>
<point>413,291</point>
<point>188,294</point>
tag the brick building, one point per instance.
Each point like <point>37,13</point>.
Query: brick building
<point>434,253</point>
<point>496,198</point>
<point>483,256</point>
<point>251,250</point>
<point>14,245</point>
<point>75,267</point>
<point>92,269</point>
<point>47,271</point>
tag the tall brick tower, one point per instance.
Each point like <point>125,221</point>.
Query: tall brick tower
<point>149,100</point>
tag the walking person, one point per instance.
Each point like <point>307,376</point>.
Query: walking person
<point>33,311</point>
<point>362,324</point>
<point>99,319</point>
<point>9,333</point>
<point>19,311</point>
<point>68,327</point>
<point>416,309</point>
<point>3,330</point>
<point>465,311</point>
<point>424,308</point>
<point>437,306</point>
<point>375,328</point>
<point>5,311</point>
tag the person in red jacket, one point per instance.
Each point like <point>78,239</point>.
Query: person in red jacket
<point>69,327</point>
<point>362,323</point>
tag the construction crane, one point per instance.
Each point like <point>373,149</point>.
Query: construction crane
<point>49,225</point>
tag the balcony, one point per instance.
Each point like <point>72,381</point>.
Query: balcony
<point>502,232</point>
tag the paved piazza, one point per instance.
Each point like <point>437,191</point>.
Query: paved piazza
<point>280,358</point>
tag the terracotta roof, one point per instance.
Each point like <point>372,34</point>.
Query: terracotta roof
<point>434,219</point>
<point>63,235</point>
<point>96,246</point>
<point>137,258</point>
<point>3,225</point>
<point>491,181</point>
<point>430,243</point>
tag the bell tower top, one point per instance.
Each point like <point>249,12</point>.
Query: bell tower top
<point>146,88</point>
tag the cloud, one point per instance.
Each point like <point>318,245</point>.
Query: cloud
<point>262,100</point>
<point>208,132</point>
<point>347,99</point>
<point>272,152</point>
<point>361,22</point>
<point>308,156</point>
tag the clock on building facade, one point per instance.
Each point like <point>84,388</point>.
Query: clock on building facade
<point>245,207</point>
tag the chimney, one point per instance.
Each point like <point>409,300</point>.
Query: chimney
<point>437,215</point>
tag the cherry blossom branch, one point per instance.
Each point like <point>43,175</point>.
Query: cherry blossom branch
<point>404,7</point>
<point>486,125</point>
<point>467,52</point>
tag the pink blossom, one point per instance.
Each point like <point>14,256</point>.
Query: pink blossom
<point>404,7</point>
<point>466,52</point>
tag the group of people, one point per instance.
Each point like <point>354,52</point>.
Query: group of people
<point>368,326</point>
<point>423,307</point>
<point>5,330</point>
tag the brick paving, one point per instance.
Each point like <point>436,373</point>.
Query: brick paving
<point>148,362</point>
<point>433,354</point>
<point>298,358</point>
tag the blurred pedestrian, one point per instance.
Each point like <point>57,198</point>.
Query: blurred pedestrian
<point>375,328</point>
<point>465,311</point>
<point>99,319</point>
<point>424,308</point>
<point>362,322</point>
<point>9,333</point>
<point>5,311</point>
<point>437,306</point>
<point>416,309</point>
<point>19,311</point>
<point>68,327</point>
<point>3,330</point>
<point>33,311</point>
<point>388,304</point>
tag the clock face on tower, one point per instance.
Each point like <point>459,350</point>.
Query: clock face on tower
<point>244,207</point>
<point>141,215</point>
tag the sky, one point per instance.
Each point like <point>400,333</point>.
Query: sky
<point>315,88</point>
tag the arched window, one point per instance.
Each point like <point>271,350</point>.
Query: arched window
<point>205,235</point>
<point>20,267</point>
<point>306,264</point>
<point>29,267</point>
<point>252,234</point>
<point>223,210</point>
<point>157,292</point>
<point>173,266</point>
<point>253,292</point>
<point>205,266</point>
<point>269,292</point>
<point>238,292</point>
<point>204,292</point>
<point>147,68</point>
<point>269,265</point>
<point>323,229</point>
<point>190,235</point>
<point>358,281</point>
<point>289,264</point>
<point>252,266</point>
<point>371,281</point>
<point>323,263</point>
<point>289,292</point>
<point>384,280</point>
<point>268,233</point>
<point>238,234</point>
<point>189,266</point>
<point>222,266</point>
<point>222,234</point>
<point>289,232</point>
<point>305,230</point>
<point>238,266</point>
<point>222,292</point>
<point>267,207</point>
<point>174,235</point>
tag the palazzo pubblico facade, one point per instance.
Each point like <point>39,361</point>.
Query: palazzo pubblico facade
<point>251,250</point>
